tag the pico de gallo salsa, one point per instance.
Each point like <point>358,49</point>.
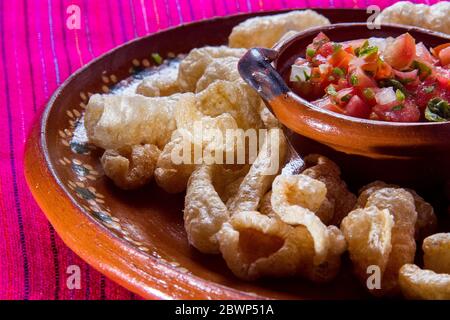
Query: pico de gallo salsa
<point>387,79</point>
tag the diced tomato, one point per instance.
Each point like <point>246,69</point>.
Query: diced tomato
<point>383,79</point>
<point>443,77</point>
<point>317,43</point>
<point>342,83</point>
<point>436,50</point>
<point>327,104</point>
<point>401,53</point>
<point>368,95</point>
<point>349,49</point>
<point>404,112</point>
<point>356,107</point>
<point>360,79</point>
<point>319,59</point>
<point>343,96</point>
<point>326,49</point>
<point>444,56</point>
<point>307,89</point>
<point>425,92</point>
<point>384,70</point>
<point>445,94</point>
<point>340,59</point>
<point>320,39</point>
<point>366,63</point>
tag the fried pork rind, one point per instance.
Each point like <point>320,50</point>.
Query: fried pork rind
<point>203,121</point>
<point>130,167</point>
<point>161,83</point>
<point>328,270</point>
<point>265,207</point>
<point>267,117</point>
<point>339,200</point>
<point>300,190</point>
<point>261,174</point>
<point>193,66</point>
<point>229,181</point>
<point>433,17</point>
<point>400,204</point>
<point>436,250</point>
<point>116,121</point>
<point>204,210</point>
<point>368,233</point>
<point>235,98</point>
<point>266,31</point>
<point>426,219</point>
<point>293,199</point>
<point>424,284</point>
<point>173,177</point>
<point>255,246</point>
<point>219,69</point>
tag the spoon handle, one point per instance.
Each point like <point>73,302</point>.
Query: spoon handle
<point>256,69</point>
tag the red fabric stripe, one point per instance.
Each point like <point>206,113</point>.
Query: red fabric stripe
<point>37,53</point>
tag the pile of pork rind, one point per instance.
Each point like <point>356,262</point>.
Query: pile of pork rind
<point>262,222</point>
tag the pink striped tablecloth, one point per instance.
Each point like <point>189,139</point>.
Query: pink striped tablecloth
<point>37,53</point>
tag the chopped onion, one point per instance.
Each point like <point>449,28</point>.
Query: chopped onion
<point>381,43</point>
<point>385,96</point>
<point>324,68</point>
<point>300,73</point>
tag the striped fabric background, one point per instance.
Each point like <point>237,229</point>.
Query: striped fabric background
<point>37,52</point>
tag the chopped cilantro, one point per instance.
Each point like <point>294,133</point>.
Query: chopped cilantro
<point>369,94</point>
<point>429,89</point>
<point>393,83</point>
<point>354,80</point>
<point>363,47</point>
<point>336,47</point>
<point>307,77</point>
<point>157,58</point>
<point>367,51</point>
<point>310,52</point>
<point>339,72</point>
<point>424,70</point>
<point>346,98</point>
<point>397,107</point>
<point>437,110</point>
<point>331,90</point>
<point>400,95</point>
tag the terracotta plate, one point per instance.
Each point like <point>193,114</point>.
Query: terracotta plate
<point>137,238</point>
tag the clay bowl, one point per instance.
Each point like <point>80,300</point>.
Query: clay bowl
<point>367,149</point>
<point>137,238</point>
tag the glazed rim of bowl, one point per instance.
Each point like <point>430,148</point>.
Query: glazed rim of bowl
<point>281,46</point>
